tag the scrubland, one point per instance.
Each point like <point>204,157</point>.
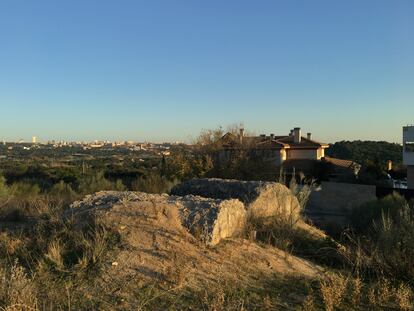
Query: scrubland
<point>52,261</point>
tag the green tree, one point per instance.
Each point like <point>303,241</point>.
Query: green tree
<point>63,191</point>
<point>94,183</point>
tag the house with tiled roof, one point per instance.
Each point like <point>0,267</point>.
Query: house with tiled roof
<point>275,149</point>
<point>292,152</point>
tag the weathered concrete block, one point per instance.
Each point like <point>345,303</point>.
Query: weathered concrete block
<point>331,203</point>
<point>209,220</point>
<point>262,199</point>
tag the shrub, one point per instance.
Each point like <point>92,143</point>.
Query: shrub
<point>152,183</point>
<point>333,290</point>
<point>63,192</point>
<point>394,239</point>
<point>97,182</point>
<point>365,216</point>
<point>403,296</point>
<point>94,183</point>
<point>386,237</point>
<point>24,191</point>
<point>17,290</point>
<point>4,190</point>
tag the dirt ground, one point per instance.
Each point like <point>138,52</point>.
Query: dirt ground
<point>156,248</point>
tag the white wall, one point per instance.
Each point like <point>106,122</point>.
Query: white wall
<point>273,156</point>
<point>408,136</point>
<point>283,155</point>
<point>321,153</point>
<point>302,154</point>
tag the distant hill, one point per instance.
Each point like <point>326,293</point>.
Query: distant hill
<point>366,152</point>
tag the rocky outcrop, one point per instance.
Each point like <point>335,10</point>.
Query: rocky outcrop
<point>209,220</point>
<point>155,249</point>
<point>262,199</point>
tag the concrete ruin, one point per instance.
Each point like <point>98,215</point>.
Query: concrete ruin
<point>262,199</point>
<point>209,220</point>
<point>331,203</point>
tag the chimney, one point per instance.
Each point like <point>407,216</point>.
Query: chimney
<point>241,135</point>
<point>309,136</point>
<point>296,135</point>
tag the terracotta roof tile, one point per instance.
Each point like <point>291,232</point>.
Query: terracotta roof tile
<point>231,140</point>
<point>341,162</point>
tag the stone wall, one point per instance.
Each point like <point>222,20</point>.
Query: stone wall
<point>331,202</point>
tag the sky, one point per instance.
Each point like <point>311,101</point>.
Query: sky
<point>165,70</point>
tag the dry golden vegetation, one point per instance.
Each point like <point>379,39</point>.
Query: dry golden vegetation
<point>49,261</point>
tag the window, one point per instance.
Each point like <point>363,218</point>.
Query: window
<point>409,146</point>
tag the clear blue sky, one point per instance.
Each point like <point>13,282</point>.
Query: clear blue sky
<point>164,70</point>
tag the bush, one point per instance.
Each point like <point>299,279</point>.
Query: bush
<point>4,190</point>
<point>98,182</point>
<point>94,183</point>
<point>368,215</point>
<point>386,239</point>
<point>152,183</point>
<point>62,192</point>
<point>395,243</point>
<point>24,191</point>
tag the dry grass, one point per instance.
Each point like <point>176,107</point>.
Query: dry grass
<point>55,265</point>
<point>404,296</point>
<point>356,290</point>
<point>309,302</point>
<point>17,289</point>
<point>333,290</point>
<point>340,292</point>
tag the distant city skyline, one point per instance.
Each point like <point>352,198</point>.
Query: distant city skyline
<point>165,70</point>
<point>189,139</point>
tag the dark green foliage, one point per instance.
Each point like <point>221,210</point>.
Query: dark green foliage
<point>98,182</point>
<point>367,152</point>
<point>385,229</point>
<point>152,183</point>
<point>189,164</point>
<point>369,215</point>
<point>4,190</point>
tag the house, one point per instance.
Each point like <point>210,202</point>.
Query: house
<point>292,152</point>
<point>275,149</point>
<point>342,169</point>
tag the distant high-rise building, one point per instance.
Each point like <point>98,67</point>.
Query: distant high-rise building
<point>408,154</point>
<point>34,139</point>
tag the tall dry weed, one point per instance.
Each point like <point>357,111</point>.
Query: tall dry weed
<point>309,302</point>
<point>17,289</point>
<point>403,297</point>
<point>333,289</point>
<point>356,290</point>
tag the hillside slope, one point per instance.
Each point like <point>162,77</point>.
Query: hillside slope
<point>157,250</point>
